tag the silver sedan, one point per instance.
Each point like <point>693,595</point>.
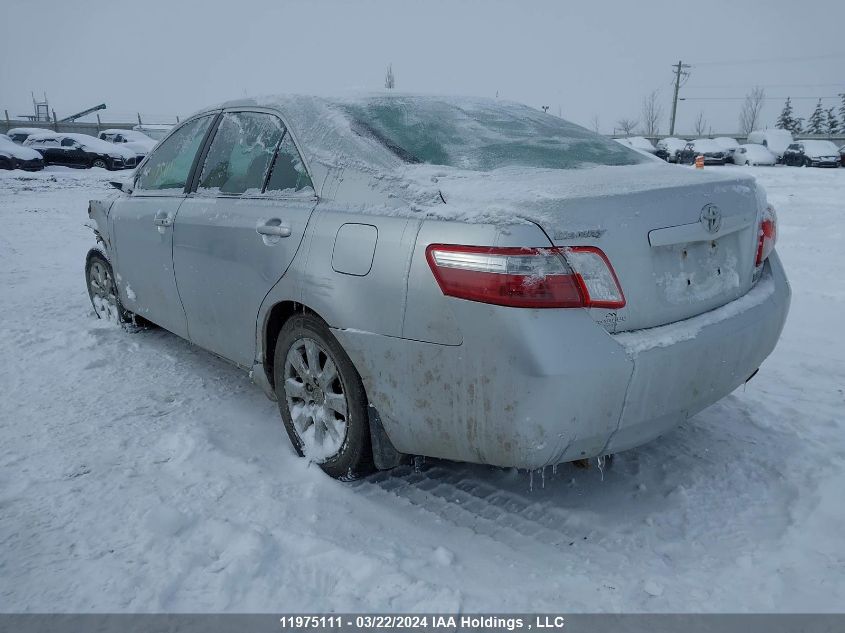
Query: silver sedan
<point>459,278</point>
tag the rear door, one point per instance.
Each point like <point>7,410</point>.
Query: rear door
<point>142,227</point>
<point>237,233</point>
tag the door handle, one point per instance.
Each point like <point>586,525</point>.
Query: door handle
<point>274,228</point>
<point>162,219</point>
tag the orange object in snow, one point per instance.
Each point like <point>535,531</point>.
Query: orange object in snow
<point>699,162</point>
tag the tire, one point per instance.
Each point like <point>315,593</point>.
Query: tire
<point>99,279</point>
<point>331,427</point>
<point>807,163</point>
<point>99,162</point>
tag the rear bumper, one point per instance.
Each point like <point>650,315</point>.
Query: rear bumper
<point>530,388</point>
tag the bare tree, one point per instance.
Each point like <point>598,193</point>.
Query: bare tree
<point>389,79</point>
<point>652,114</point>
<point>749,115</point>
<point>627,126</point>
<point>595,124</point>
<point>700,125</point>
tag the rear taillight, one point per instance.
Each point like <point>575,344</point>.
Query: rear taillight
<point>766,235</point>
<point>570,277</point>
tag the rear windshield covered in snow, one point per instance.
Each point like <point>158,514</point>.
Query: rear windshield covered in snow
<point>481,135</point>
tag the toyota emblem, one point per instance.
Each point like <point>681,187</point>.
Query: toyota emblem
<point>711,218</point>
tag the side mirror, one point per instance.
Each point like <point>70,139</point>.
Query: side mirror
<point>122,185</point>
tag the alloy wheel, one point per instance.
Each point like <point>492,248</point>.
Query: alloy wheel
<point>316,399</point>
<point>103,294</point>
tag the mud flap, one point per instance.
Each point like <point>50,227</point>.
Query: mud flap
<point>385,455</point>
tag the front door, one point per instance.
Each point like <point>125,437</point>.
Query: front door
<point>142,228</point>
<point>236,235</point>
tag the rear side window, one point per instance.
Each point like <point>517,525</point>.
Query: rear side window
<point>241,153</point>
<point>169,165</point>
<point>289,174</point>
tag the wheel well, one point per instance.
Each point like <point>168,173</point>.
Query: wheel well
<point>276,319</point>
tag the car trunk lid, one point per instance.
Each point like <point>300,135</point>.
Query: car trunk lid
<point>681,242</point>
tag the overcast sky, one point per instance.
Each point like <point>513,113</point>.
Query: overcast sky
<point>581,58</point>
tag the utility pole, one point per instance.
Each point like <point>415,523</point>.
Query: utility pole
<point>679,70</point>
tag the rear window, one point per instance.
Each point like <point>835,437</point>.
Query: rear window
<point>482,135</point>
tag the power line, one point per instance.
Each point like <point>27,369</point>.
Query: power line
<point>767,60</point>
<point>839,84</point>
<point>742,98</point>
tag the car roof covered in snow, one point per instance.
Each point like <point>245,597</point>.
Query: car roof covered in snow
<point>352,165</point>
<point>90,142</point>
<point>338,131</point>
<point>816,147</point>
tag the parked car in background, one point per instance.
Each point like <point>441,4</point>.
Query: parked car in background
<point>438,276</point>
<point>751,154</point>
<point>80,150</point>
<point>729,145</point>
<point>842,155</point>
<point>132,140</point>
<point>812,153</point>
<point>154,131</point>
<point>775,140</point>
<point>670,148</point>
<point>20,134</point>
<point>710,149</point>
<point>14,156</point>
<point>637,142</point>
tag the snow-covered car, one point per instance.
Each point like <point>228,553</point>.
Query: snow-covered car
<point>775,140</point>
<point>729,145</point>
<point>467,279</point>
<point>842,155</point>
<point>637,142</point>
<point>713,153</point>
<point>132,140</point>
<point>14,156</point>
<point>752,154</point>
<point>20,134</point>
<point>669,148</point>
<point>812,153</point>
<point>80,150</point>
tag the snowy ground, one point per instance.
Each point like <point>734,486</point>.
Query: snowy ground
<point>138,473</point>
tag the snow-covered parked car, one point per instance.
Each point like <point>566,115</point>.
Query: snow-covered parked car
<point>467,279</point>
<point>728,144</point>
<point>752,154</point>
<point>137,142</point>
<point>14,156</point>
<point>637,142</point>
<point>812,153</point>
<point>712,152</point>
<point>20,134</point>
<point>670,148</point>
<point>773,139</point>
<point>80,150</point>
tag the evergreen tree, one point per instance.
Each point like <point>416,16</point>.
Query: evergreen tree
<point>842,111</point>
<point>816,124</point>
<point>832,122</point>
<point>797,125</point>
<point>786,121</point>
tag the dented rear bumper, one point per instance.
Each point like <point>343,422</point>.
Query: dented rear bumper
<point>530,388</point>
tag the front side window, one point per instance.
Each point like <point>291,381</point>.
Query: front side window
<point>289,175</point>
<point>241,153</point>
<point>68,142</point>
<point>169,165</point>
